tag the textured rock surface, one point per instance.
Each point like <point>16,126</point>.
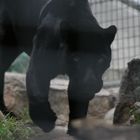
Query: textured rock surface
<point>59,103</point>
<point>15,92</point>
<point>129,92</point>
<point>100,105</point>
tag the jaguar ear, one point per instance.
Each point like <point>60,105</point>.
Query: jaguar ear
<point>110,33</point>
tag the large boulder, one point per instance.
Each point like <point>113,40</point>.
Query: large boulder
<point>129,94</point>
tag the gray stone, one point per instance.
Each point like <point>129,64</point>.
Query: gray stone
<point>59,103</point>
<point>15,93</point>
<point>129,92</point>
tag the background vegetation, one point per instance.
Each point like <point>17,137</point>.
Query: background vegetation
<point>20,65</point>
<point>13,129</point>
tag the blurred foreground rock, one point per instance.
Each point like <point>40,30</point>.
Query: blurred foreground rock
<point>90,129</point>
<point>96,132</point>
<point>110,133</point>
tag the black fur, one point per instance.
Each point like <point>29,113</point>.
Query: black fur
<point>68,41</point>
<point>18,23</point>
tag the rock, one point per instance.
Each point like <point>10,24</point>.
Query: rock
<point>114,91</point>
<point>110,133</point>
<point>16,100</point>
<point>137,93</point>
<point>131,121</point>
<point>59,103</point>
<point>109,116</point>
<point>137,104</point>
<point>1,116</point>
<point>100,105</point>
<point>59,84</point>
<point>103,92</point>
<point>129,92</point>
<point>94,133</point>
<point>15,96</point>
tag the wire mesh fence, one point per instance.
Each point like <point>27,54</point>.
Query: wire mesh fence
<point>125,14</point>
